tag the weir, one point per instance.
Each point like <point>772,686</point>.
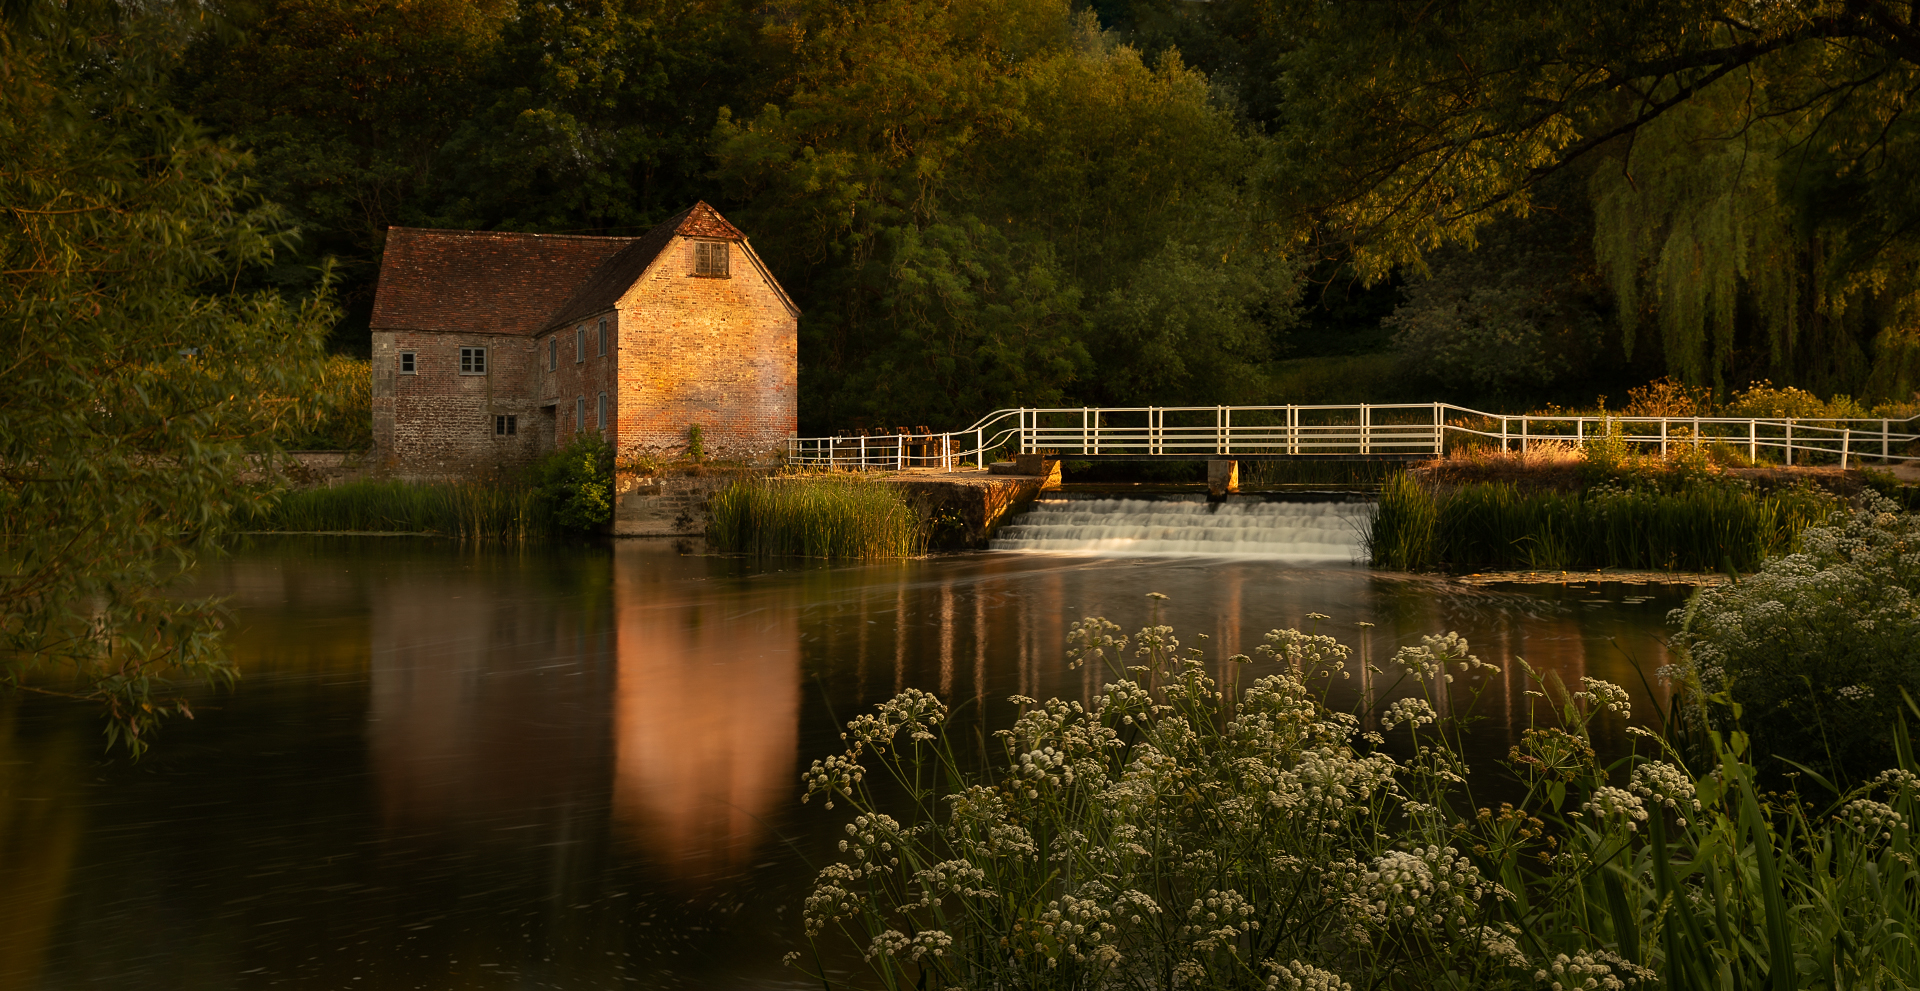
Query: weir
<point>1329,529</point>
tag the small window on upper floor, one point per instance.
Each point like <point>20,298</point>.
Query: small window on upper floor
<point>473,361</point>
<point>553,352</point>
<point>580,344</point>
<point>710,259</point>
<point>579,414</point>
<point>600,418</point>
<point>600,337</point>
<point>406,363</point>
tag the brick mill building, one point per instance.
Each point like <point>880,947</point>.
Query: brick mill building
<point>492,348</point>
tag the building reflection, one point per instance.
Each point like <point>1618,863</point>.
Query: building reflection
<point>706,714</point>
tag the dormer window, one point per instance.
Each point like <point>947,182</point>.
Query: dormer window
<point>710,259</point>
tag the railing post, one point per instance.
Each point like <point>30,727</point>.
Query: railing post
<point>1753,440</point>
<point>900,453</point>
<point>1084,439</point>
<point>1883,442</point>
<point>1663,436</point>
<point>1696,433</point>
<point>1846,443</point>
<point>1439,432</point>
<point>1789,442</point>
<point>1503,433</point>
<point>1580,431</point>
<point>1366,429</point>
<point>1524,420</point>
<point>863,452</point>
<point>980,448</point>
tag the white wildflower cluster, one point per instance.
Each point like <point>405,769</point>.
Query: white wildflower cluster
<point>1080,928</point>
<point>1428,887</point>
<point>1500,945</point>
<point>1217,920</point>
<point>951,878</point>
<point>1616,806</point>
<point>1894,779</point>
<point>1664,784</point>
<point>835,896</point>
<point>1306,654</point>
<point>1595,971</point>
<point>872,838</point>
<point>894,943</point>
<point>1051,744</point>
<point>1413,712</point>
<point>836,774</point>
<point>1855,693</point>
<point>1297,976</point>
<point>913,712</point>
<point>1430,660</point>
<point>1874,819</point>
<point>1605,695</point>
<point>1094,639</point>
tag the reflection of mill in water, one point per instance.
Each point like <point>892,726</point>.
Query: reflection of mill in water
<point>672,695</point>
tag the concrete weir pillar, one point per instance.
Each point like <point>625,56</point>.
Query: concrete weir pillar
<point>1223,477</point>
<point>1048,468</point>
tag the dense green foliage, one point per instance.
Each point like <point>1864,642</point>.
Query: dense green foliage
<point>814,516</point>
<point>467,510</point>
<point>1817,648</point>
<point>1173,831</point>
<point>575,483</point>
<point>137,380</point>
<point>1710,526</point>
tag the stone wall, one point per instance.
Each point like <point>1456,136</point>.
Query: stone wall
<point>437,422</point>
<point>718,352</point>
<point>664,505</point>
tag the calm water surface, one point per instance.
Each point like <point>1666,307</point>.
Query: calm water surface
<point>577,768</point>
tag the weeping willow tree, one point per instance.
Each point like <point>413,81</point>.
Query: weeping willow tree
<point>1725,233</point>
<point>1748,164</point>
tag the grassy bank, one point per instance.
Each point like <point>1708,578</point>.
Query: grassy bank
<point>1421,526</point>
<point>468,510</point>
<point>815,516</point>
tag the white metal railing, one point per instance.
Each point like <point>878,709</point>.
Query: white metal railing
<point>1392,430</point>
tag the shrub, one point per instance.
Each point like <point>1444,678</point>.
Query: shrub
<point>1817,647</point>
<point>1174,832</point>
<point>575,483</point>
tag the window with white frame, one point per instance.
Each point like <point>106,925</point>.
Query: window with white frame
<point>710,259</point>
<point>601,416</point>
<point>600,337</point>
<point>580,344</point>
<point>579,414</point>
<point>473,361</point>
<point>553,352</point>
<point>406,363</point>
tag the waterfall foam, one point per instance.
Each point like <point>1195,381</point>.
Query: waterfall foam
<point>1318,531</point>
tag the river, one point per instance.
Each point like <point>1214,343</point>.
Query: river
<point>450,767</point>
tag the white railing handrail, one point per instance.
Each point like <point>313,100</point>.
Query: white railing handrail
<point>1300,435</point>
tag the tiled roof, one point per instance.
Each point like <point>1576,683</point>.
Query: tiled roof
<point>502,283</point>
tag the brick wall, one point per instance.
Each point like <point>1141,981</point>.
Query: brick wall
<point>717,352</point>
<point>578,373</point>
<point>437,422</point>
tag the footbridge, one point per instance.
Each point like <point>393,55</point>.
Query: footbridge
<point>1364,432</point>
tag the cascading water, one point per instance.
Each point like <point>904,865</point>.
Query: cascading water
<point>1241,526</point>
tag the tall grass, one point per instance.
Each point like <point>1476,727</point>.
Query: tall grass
<point>468,510</point>
<point>815,516</point>
<point>1712,527</point>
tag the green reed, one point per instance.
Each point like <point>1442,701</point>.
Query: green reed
<point>468,510</point>
<point>815,516</point>
<point>1706,527</point>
